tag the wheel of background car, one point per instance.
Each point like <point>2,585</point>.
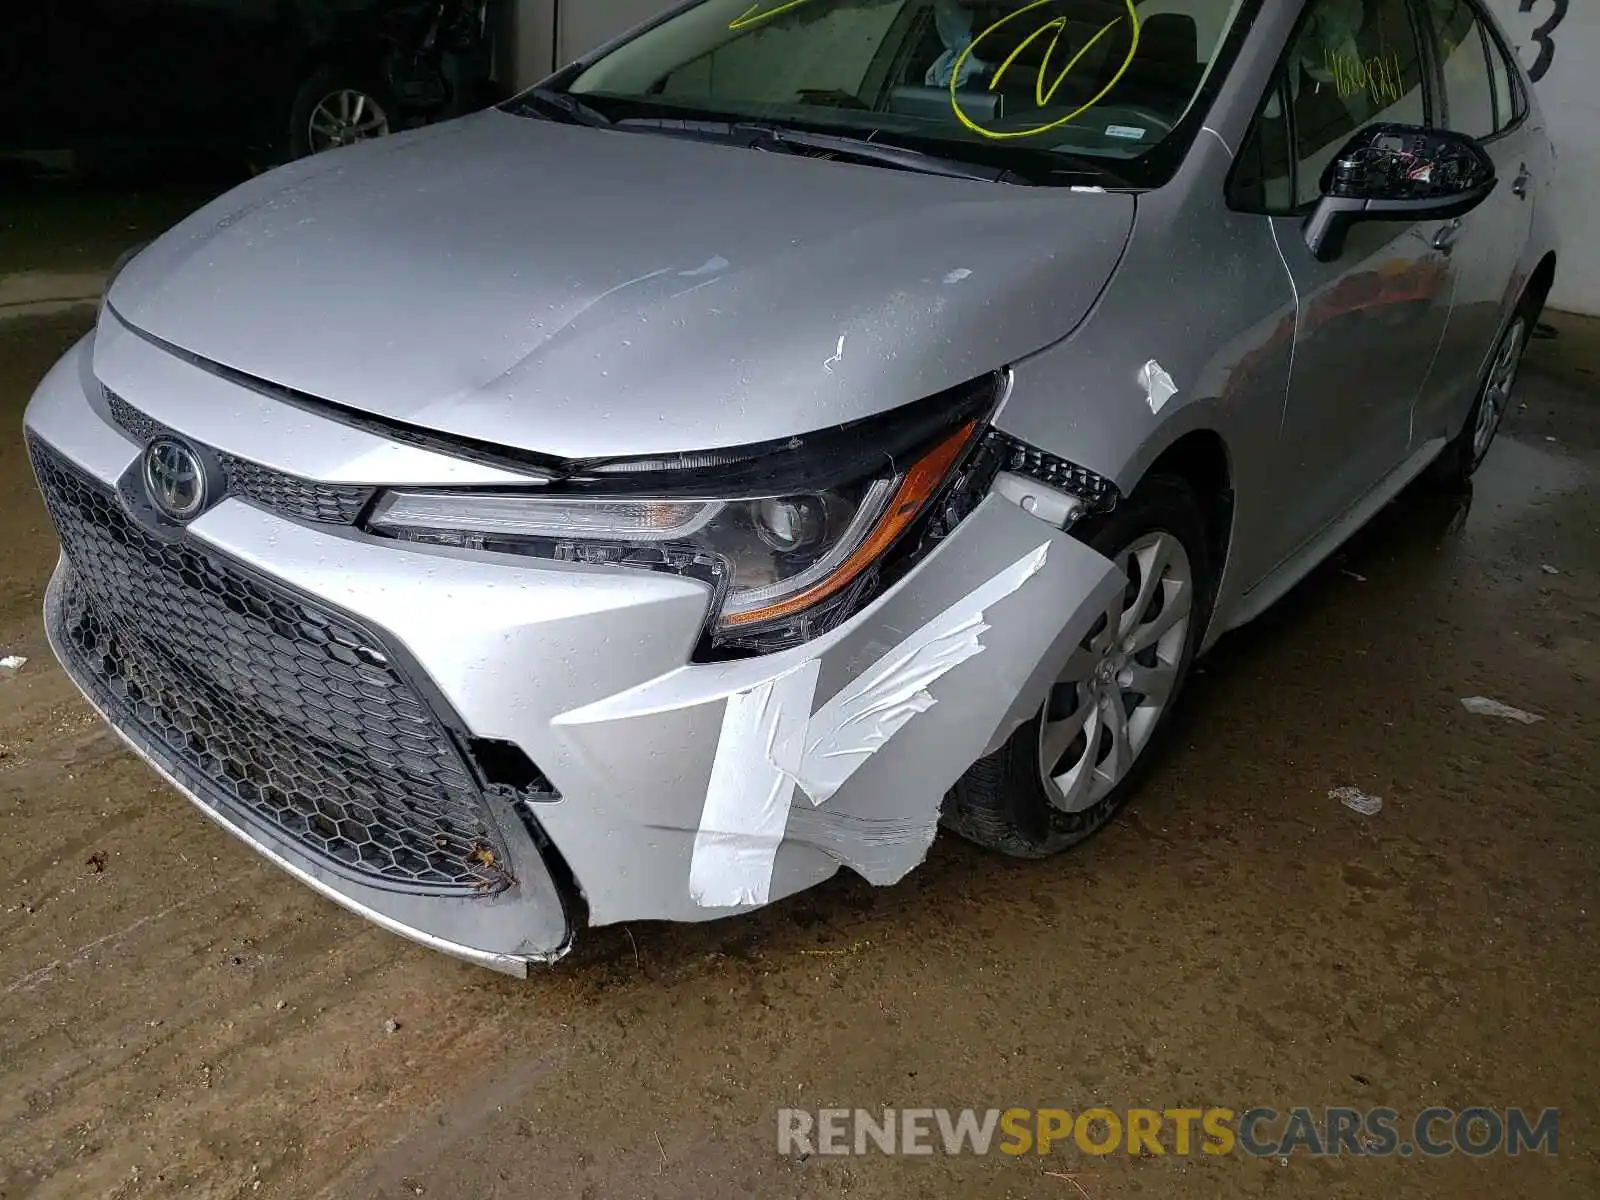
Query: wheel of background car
<point>1063,774</point>
<point>334,108</point>
<point>1460,460</point>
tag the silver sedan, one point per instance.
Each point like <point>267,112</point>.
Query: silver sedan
<point>793,427</point>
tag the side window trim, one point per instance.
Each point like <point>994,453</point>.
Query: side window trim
<point>1435,103</point>
<point>1513,70</point>
<point>1488,65</point>
<point>1489,37</point>
<point>1291,134</point>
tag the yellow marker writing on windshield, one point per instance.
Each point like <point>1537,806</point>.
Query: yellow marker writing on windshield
<point>1042,94</point>
<point>755,14</point>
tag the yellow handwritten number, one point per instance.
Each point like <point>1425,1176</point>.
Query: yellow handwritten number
<point>1042,95</point>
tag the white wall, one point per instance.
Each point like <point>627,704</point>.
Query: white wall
<point>1560,39</point>
<point>529,41</point>
<point>585,24</point>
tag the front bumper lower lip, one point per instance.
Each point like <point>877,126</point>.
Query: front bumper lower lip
<point>509,964</point>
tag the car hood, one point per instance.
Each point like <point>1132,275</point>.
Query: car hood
<point>583,292</point>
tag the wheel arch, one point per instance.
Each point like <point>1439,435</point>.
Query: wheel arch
<point>1201,458</point>
<point>1540,281</point>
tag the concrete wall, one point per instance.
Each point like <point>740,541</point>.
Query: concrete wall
<point>537,47</point>
<point>1559,42</point>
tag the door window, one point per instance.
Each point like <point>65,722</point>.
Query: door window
<point>1263,177</point>
<point>1464,55</point>
<point>1352,63</point>
<point>1508,108</point>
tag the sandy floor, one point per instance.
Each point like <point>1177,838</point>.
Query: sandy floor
<point>177,1018</point>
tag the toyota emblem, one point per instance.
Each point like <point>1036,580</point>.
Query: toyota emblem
<point>175,478</point>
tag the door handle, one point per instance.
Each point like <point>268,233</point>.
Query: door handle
<point>1445,240</point>
<point>1519,185</point>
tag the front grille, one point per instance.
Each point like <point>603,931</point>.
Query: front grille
<point>305,499</point>
<point>268,705</point>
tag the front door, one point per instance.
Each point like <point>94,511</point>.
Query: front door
<point>1369,322</point>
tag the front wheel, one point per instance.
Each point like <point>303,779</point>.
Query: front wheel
<point>1062,775</point>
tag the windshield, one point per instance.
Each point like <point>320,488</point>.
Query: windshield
<point>1048,87</point>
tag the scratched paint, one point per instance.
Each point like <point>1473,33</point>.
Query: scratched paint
<point>838,357</point>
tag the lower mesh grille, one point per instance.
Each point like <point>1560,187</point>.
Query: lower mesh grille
<point>268,705</point>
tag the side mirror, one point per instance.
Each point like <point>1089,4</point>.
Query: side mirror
<point>1397,173</point>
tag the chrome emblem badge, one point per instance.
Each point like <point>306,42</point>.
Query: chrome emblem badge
<point>175,478</point>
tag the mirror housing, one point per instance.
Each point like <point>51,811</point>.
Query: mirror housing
<point>1397,173</point>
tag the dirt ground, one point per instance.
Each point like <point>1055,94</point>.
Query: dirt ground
<point>180,1019</point>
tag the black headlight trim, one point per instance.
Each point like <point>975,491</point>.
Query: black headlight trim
<point>805,462</point>
<point>1098,493</point>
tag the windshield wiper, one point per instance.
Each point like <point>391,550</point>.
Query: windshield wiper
<point>563,106</point>
<point>868,150</point>
<point>1048,168</point>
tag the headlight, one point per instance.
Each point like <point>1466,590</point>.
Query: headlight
<point>790,537</point>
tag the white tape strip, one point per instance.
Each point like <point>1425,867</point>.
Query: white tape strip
<point>1158,385</point>
<point>752,783</point>
<point>770,741</point>
<point>876,705</point>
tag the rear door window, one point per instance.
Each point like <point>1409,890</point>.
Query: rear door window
<point>1508,106</point>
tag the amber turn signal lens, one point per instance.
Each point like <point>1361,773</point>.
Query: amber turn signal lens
<point>919,486</point>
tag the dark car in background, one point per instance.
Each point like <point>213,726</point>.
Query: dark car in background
<point>266,79</point>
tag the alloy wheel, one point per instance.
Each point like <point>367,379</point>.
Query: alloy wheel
<point>1115,688</point>
<point>1497,388</point>
<point>344,117</point>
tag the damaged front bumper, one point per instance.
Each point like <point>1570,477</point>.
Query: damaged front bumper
<point>667,790</point>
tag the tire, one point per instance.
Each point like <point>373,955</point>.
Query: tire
<point>1003,802</point>
<point>331,93</point>
<point>1461,458</point>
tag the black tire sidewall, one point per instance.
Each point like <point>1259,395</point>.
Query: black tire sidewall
<point>1002,802</point>
<point>1473,462</point>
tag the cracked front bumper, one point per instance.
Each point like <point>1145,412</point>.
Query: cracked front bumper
<point>673,796</point>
